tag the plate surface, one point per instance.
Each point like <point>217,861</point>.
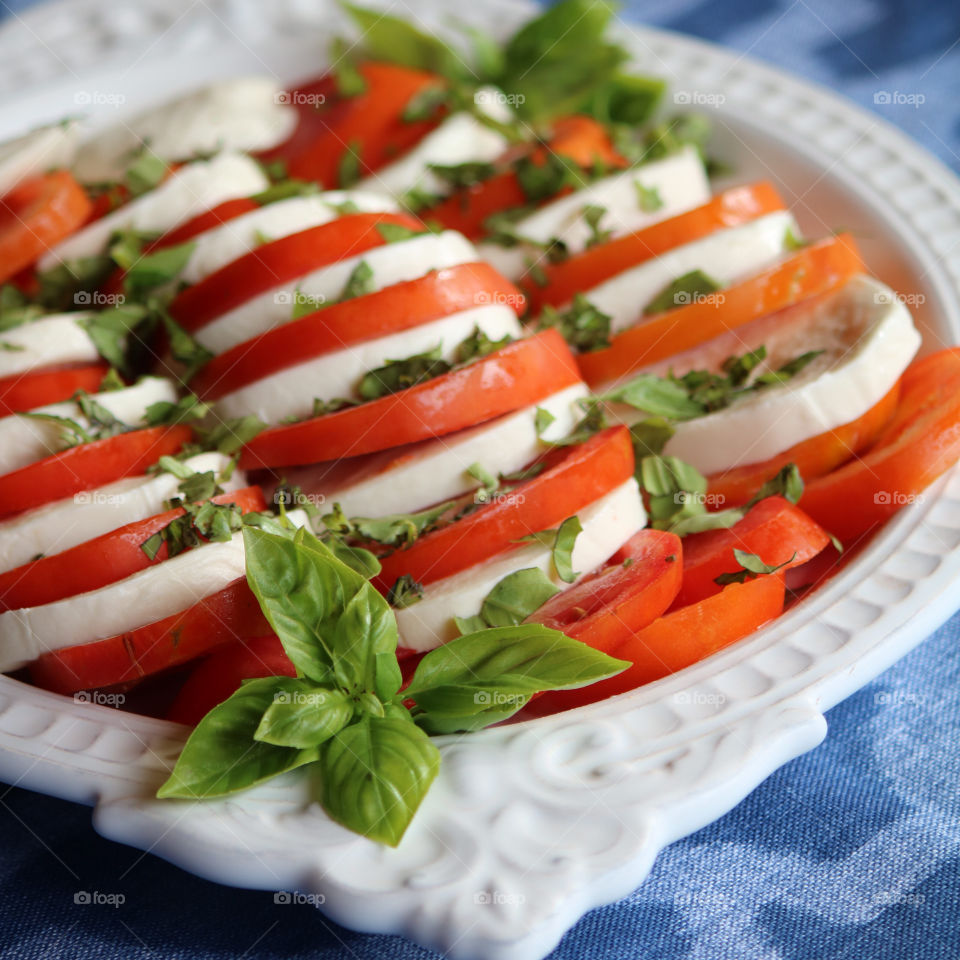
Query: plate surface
<point>531,825</point>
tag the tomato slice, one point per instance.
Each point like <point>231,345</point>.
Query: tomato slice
<point>101,561</point>
<point>37,214</point>
<point>87,466</point>
<point>225,616</point>
<point>573,478</point>
<point>606,608</point>
<point>516,376</point>
<point>599,263</point>
<point>773,529</point>
<point>202,222</point>
<point>681,638</point>
<point>921,442</point>
<point>26,391</point>
<point>814,457</point>
<point>816,269</point>
<point>400,306</point>
<point>371,123</point>
<point>280,262</point>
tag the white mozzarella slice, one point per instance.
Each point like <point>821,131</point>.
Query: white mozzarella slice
<point>191,190</point>
<point>680,181</point>
<point>391,263</point>
<point>145,597</point>
<point>868,339</point>
<point>725,256</point>
<point>607,524</point>
<point>66,523</point>
<point>461,138</point>
<point>24,439</point>
<point>57,339</point>
<point>216,248</point>
<point>291,392</point>
<point>35,152</point>
<point>410,478</point>
<point>241,113</point>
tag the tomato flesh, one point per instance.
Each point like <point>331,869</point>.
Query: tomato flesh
<point>27,391</point>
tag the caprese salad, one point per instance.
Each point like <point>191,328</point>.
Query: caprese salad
<point>433,391</point>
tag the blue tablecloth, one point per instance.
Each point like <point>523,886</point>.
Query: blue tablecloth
<point>852,851</point>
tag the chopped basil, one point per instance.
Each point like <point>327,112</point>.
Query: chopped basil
<point>418,198</point>
<point>582,325</point>
<point>348,168</point>
<point>15,309</point>
<point>7,347</point>
<point>792,241</point>
<point>166,413</point>
<point>397,375</point>
<point>284,190</point>
<point>347,77</point>
<point>478,345</point>
<point>542,419</point>
<point>751,567</point>
<point>68,284</point>
<point>544,177</point>
<point>359,283</point>
<point>230,435</point>
<point>648,198</point>
<point>567,535</point>
<point>153,270</point>
<point>650,436</point>
<point>184,348</point>
<point>592,214</point>
<point>405,592</point>
<point>426,104</point>
<point>686,289</point>
<point>145,173</point>
<point>396,232</point>
<point>392,530</point>
<point>462,175</point>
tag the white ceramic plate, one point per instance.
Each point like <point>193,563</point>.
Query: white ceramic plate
<point>528,826</point>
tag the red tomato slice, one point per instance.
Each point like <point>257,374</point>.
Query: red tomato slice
<point>26,391</point>
<point>401,306</point>
<point>592,267</point>
<point>280,262</point>
<point>816,269</point>
<point>681,638</point>
<point>371,123</point>
<point>774,529</point>
<point>814,457</point>
<point>574,477</point>
<point>101,561</point>
<point>606,608</point>
<point>518,375</point>
<point>230,614</point>
<point>87,466</point>
<point>37,214</point>
<point>921,442</point>
<point>202,222</point>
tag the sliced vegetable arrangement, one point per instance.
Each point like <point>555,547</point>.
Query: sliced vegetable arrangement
<point>435,390</point>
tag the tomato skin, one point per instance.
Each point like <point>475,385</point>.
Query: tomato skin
<point>202,222</point>
<point>814,458</point>
<point>773,529</point>
<point>37,214</point>
<point>281,261</point>
<point>599,263</point>
<point>574,478</point>
<point>223,617</point>
<point>87,466</point>
<point>605,608</point>
<point>815,269</point>
<point>681,638</point>
<point>518,375</point>
<point>400,306</point>
<point>26,391</point>
<point>101,561</point>
<point>921,443</point>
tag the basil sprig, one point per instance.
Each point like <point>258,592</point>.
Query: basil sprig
<point>372,760</point>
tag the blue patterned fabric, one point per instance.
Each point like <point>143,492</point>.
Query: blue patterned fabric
<point>852,851</point>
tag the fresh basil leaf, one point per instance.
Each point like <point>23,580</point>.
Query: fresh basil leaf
<point>582,325</point>
<point>348,168</point>
<point>221,755</point>
<point>650,436</point>
<point>405,592</point>
<point>563,546</point>
<point>516,596</point>
<point>153,270</point>
<point>177,467</point>
<point>396,232</point>
<point>656,395</point>
<point>396,375</point>
<point>374,775</point>
<point>592,215</point>
<point>111,381</point>
<point>304,716</point>
<point>542,419</point>
<point>71,283</point>
<point>751,567</point>
<point>467,625</point>
<point>113,331</point>
<point>684,290</point>
<point>166,413</point>
<point>460,176</point>
<point>230,435</point>
<point>359,283</point>
<point>478,345</point>
<point>363,561</point>
<point>485,677</point>
<point>426,104</point>
<point>146,172</point>
<point>284,190</point>
<point>648,198</point>
<point>184,348</point>
<point>629,99</point>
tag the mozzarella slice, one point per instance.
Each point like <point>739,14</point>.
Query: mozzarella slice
<point>63,524</point>
<point>24,439</point>
<point>391,263</point>
<point>461,138</point>
<point>57,339</point>
<point>607,524</point>
<point>868,338</point>
<point>241,114</point>
<point>724,256</point>
<point>291,392</point>
<point>216,248</point>
<point>35,152</point>
<point>191,190</point>
<point>409,478</point>
<point>144,597</point>
<point>680,181</point>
